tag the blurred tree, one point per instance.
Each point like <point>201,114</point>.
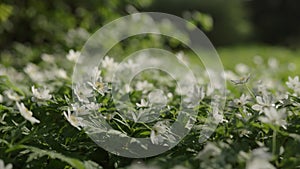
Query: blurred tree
<point>230,23</point>
<point>50,24</point>
<point>276,21</point>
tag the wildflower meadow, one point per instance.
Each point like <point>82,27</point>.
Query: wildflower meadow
<point>91,103</point>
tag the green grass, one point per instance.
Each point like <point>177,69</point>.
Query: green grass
<point>231,56</point>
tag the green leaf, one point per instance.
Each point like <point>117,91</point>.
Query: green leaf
<point>5,12</point>
<point>91,165</point>
<point>7,84</point>
<point>37,153</point>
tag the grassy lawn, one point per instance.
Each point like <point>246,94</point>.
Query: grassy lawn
<point>231,56</point>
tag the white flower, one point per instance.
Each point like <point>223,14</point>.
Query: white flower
<point>2,165</point>
<point>109,63</point>
<point>180,57</point>
<point>126,89</point>
<point>93,106</point>
<point>96,82</point>
<point>41,94</point>
<point>272,116</point>
<point>210,150</point>
<point>73,55</point>
<point>263,102</point>
<point>100,87</point>
<point>1,98</point>
<point>83,93</point>
<point>209,90</point>
<point>273,63</point>
<point>48,58</point>
<point>242,68</point>
<point>230,75</point>
<point>79,110</point>
<point>294,84</point>
<point>130,65</point>
<point>242,80</point>
<point>73,120</point>
<point>262,88</point>
<point>13,95</point>
<point>157,97</point>
<point>143,104</point>
<point>143,86</point>
<point>170,95</point>
<point>60,73</point>
<point>26,113</point>
<point>216,113</point>
<point>260,159</point>
<point>258,60</point>
<point>243,100</point>
<point>34,73</point>
<point>282,96</point>
<point>96,75</point>
<point>10,72</point>
<point>161,132</point>
<point>156,133</point>
<point>195,94</point>
<point>76,36</point>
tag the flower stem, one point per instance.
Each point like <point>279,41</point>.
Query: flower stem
<point>249,90</point>
<point>274,143</point>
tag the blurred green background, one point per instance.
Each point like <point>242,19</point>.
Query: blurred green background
<point>29,28</point>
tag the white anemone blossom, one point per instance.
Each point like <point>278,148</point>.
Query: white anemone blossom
<point>79,109</point>
<point>275,117</point>
<point>93,106</point>
<point>242,80</point>
<point>60,73</point>
<point>143,104</point>
<point>73,55</point>
<point>34,72</point>
<point>241,103</point>
<point>83,93</point>
<point>180,56</point>
<point>1,98</point>
<point>48,58</point>
<point>157,98</point>
<point>109,63</point>
<point>161,132</point>
<point>243,100</point>
<point>13,95</point>
<point>143,86</point>
<point>41,94</point>
<point>264,101</point>
<point>2,165</point>
<point>130,65</point>
<point>73,120</point>
<point>259,159</point>
<point>294,84</point>
<point>210,150</point>
<point>195,94</point>
<point>86,108</point>
<point>26,113</point>
<point>96,82</point>
<point>242,68</point>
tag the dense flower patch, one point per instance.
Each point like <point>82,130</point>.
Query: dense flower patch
<point>42,126</point>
